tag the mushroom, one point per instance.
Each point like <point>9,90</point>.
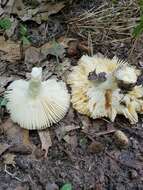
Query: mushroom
<point>126,77</point>
<point>96,89</point>
<point>37,104</point>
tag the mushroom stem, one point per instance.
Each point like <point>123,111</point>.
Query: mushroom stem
<point>34,87</point>
<point>35,82</point>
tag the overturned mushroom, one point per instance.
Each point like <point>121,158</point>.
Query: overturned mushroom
<point>37,104</point>
<point>104,87</point>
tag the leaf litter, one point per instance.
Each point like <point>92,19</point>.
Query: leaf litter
<point>45,139</point>
<point>87,169</point>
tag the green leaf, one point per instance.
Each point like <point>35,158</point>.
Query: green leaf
<point>5,23</point>
<point>67,186</point>
<point>23,30</point>
<point>138,30</point>
<point>25,40</point>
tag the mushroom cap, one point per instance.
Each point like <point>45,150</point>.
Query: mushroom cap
<point>127,74</point>
<point>40,112</point>
<point>104,98</point>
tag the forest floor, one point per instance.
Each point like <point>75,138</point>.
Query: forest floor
<point>84,152</point>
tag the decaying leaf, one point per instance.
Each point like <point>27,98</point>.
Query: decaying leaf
<point>10,50</point>
<point>32,56</point>
<point>65,41</point>
<point>3,148</point>
<point>62,68</point>
<point>37,14</point>
<point>95,147</point>
<point>46,10</point>
<point>45,139</point>
<point>72,140</point>
<point>15,134</point>
<point>53,48</point>
<point>9,159</point>
<point>62,131</point>
<point>14,23</point>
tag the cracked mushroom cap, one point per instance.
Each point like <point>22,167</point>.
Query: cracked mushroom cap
<point>37,104</point>
<point>96,91</point>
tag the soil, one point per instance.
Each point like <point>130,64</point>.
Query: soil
<point>93,160</point>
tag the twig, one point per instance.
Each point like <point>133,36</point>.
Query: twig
<point>104,133</point>
<point>122,163</point>
<point>133,47</point>
<point>12,175</point>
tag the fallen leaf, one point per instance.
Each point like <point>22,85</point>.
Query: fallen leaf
<point>10,5</point>
<point>52,186</point>
<point>38,14</point>
<point>32,56</point>
<point>96,147</point>
<point>62,67</point>
<point>62,131</point>
<point>3,148</point>
<point>22,187</point>
<point>67,186</point>
<point>72,48</point>
<point>17,7</point>
<point>53,48</point>
<point>20,149</point>
<point>11,50</point>
<point>45,139</point>
<point>83,45</point>
<point>9,159</point>
<point>47,9</point>
<point>51,8</point>
<point>72,140</point>
<point>14,23</point>
<point>12,131</point>
<point>15,134</point>
<point>65,41</point>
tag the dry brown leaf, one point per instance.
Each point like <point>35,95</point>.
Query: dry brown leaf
<point>15,134</point>
<point>61,131</point>
<point>12,131</point>
<point>10,50</point>
<point>61,68</point>
<point>51,8</point>
<point>32,56</point>
<point>45,139</point>
<point>22,187</point>
<point>53,48</point>
<point>72,140</point>
<point>9,159</point>
<point>65,41</point>
<point>38,14</point>
<point>95,147</point>
<point>3,147</point>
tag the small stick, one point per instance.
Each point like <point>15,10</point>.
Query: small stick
<point>12,175</point>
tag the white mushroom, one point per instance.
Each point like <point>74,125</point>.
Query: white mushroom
<point>37,104</point>
<point>103,87</point>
